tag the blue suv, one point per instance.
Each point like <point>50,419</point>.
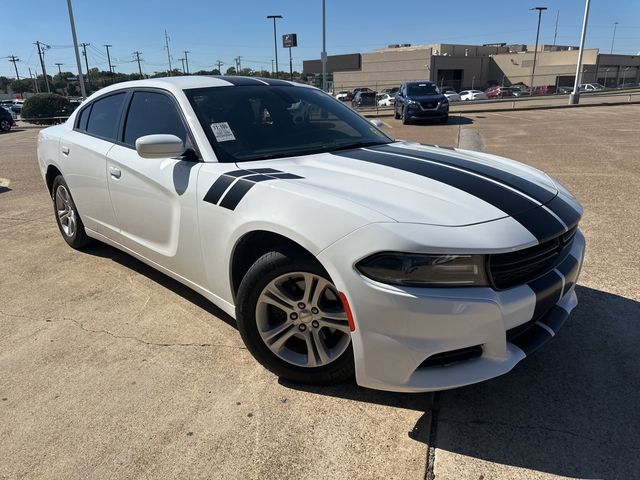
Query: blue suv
<point>421,100</point>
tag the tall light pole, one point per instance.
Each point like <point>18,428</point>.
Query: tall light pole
<point>535,52</point>
<point>613,39</point>
<point>83,92</point>
<point>323,55</point>
<point>574,98</point>
<point>275,39</point>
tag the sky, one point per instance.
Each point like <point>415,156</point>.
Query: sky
<point>214,30</point>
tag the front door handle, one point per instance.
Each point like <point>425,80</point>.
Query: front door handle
<point>115,172</point>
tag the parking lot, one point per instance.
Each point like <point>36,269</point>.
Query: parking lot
<point>109,369</point>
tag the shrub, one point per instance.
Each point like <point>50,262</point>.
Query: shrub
<point>41,109</point>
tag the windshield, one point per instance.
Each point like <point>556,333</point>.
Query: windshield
<point>246,123</point>
<point>422,89</point>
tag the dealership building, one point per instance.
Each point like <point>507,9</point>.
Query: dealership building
<point>475,66</point>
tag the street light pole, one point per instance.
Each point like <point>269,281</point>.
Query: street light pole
<point>323,55</point>
<point>615,25</point>
<point>574,98</point>
<point>535,52</point>
<point>275,39</point>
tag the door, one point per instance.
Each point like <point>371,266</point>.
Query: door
<point>83,157</point>
<point>154,200</point>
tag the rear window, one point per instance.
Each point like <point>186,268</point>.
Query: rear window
<point>105,115</point>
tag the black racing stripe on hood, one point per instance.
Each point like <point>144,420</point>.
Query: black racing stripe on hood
<point>240,81</point>
<point>569,215</point>
<point>541,224</point>
<point>521,184</point>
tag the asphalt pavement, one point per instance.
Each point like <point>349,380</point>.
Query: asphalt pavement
<point>109,369</point>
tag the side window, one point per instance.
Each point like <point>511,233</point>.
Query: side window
<point>152,113</point>
<point>104,116</point>
<point>83,118</point>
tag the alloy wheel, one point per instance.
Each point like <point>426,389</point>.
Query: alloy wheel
<point>65,211</point>
<point>301,319</point>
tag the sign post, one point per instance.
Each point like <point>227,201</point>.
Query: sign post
<point>290,40</point>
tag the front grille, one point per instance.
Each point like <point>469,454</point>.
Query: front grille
<point>452,356</point>
<point>428,104</point>
<point>508,270</point>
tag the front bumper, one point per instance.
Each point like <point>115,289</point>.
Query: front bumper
<point>417,111</point>
<point>399,329</point>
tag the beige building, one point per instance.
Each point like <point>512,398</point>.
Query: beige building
<point>478,66</point>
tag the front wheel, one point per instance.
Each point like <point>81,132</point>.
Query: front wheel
<point>444,119</point>
<point>291,319</point>
<point>405,118</point>
<point>396,115</point>
<point>69,222</point>
<point>5,125</point>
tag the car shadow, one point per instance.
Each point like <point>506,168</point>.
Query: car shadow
<point>103,250</point>
<point>571,409</point>
<point>454,119</point>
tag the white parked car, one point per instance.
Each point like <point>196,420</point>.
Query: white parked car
<point>386,100</point>
<point>591,87</point>
<point>337,249</point>
<point>344,95</point>
<point>451,95</point>
<point>473,95</point>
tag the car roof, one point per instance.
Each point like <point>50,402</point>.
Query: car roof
<point>197,81</point>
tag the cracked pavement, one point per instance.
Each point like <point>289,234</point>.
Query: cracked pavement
<point>109,369</point>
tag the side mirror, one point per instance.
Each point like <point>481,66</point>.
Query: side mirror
<point>159,146</point>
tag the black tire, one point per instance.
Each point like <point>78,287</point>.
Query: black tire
<point>266,269</point>
<point>77,238</point>
<point>444,119</point>
<point>396,115</point>
<point>405,118</point>
<point>5,125</point>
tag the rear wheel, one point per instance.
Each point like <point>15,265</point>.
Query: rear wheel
<point>444,119</point>
<point>396,115</point>
<point>292,320</point>
<point>5,125</point>
<point>69,222</point>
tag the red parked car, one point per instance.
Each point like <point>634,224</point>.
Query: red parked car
<point>544,90</point>
<point>498,91</point>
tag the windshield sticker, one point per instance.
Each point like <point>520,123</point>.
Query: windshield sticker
<point>222,132</point>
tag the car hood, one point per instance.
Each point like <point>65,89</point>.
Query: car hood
<point>415,183</point>
<point>427,98</point>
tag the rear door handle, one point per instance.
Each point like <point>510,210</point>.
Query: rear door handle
<point>65,150</point>
<point>115,172</point>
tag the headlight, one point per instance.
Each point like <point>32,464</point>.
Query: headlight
<point>412,102</point>
<point>418,270</point>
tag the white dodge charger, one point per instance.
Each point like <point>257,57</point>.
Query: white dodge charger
<point>338,250</point>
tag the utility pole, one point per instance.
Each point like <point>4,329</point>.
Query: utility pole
<point>219,64</point>
<point>83,92</point>
<point>109,60</point>
<point>615,25</point>
<point>272,67</point>
<point>275,38</point>
<point>555,34</point>
<point>186,59</point>
<point>35,81</point>
<point>40,46</point>
<point>137,54</point>
<point>86,61</point>
<point>239,67</point>
<point>166,39</point>
<point>59,70</point>
<point>13,59</point>
<point>535,52</point>
<point>182,60</point>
